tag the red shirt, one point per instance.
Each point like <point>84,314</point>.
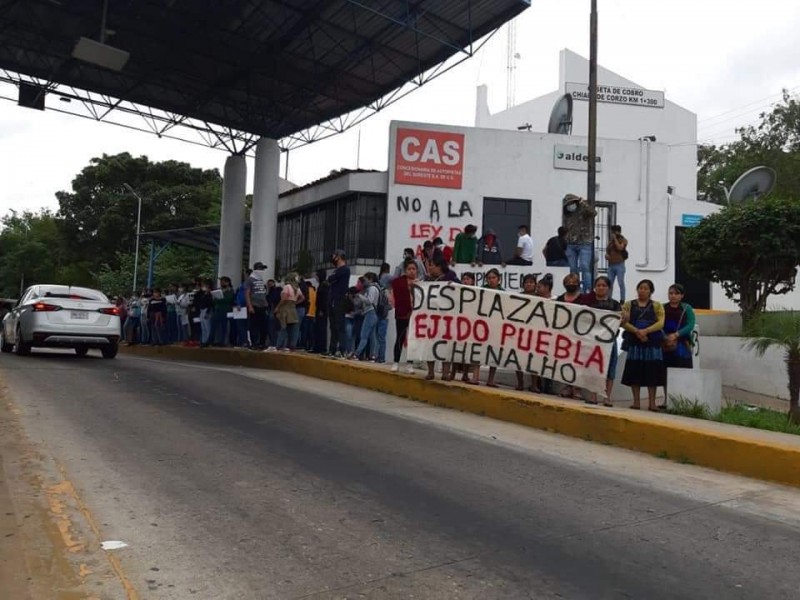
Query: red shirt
<point>402,298</point>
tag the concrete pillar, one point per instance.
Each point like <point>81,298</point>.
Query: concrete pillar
<point>231,231</point>
<point>264,214</point>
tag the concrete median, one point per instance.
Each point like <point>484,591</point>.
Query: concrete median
<point>750,452</point>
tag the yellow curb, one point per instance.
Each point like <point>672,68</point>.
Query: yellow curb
<point>727,448</point>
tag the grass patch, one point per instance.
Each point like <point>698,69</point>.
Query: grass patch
<point>680,405</point>
<point>735,414</point>
<point>758,418</point>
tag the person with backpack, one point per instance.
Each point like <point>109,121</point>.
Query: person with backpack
<point>616,255</point>
<point>367,300</point>
<point>382,310</point>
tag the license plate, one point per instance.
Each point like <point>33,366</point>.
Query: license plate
<point>79,315</point>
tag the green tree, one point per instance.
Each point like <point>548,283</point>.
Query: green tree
<point>774,142</point>
<point>31,251</point>
<point>780,330</point>
<point>751,249</point>
<point>98,217</point>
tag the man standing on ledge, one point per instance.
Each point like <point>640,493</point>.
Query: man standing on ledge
<point>339,282</point>
<point>465,246</point>
<point>523,253</point>
<point>578,219</point>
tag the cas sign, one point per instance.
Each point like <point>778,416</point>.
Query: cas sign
<point>429,158</point>
<point>575,158</point>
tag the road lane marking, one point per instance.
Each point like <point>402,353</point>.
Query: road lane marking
<point>69,490</point>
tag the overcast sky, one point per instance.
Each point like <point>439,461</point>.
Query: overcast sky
<point>726,60</point>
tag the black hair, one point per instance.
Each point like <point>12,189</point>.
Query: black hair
<point>409,261</point>
<point>648,283</point>
<point>677,287</point>
<point>495,271</point>
<point>469,274</point>
<point>525,227</point>
<point>352,290</point>
<point>547,280</point>
<point>321,275</point>
<point>438,240</point>
<point>427,244</point>
<point>529,277</point>
<point>370,276</point>
<point>616,229</point>
<point>440,262</point>
<point>408,251</point>
<point>603,278</point>
<point>562,231</point>
<point>470,229</point>
<point>385,268</point>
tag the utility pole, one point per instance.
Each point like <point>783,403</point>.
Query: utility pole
<point>591,171</point>
<point>138,231</point>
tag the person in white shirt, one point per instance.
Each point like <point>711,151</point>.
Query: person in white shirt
<point>523,253</point>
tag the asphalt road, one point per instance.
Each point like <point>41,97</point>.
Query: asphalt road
<point>226,484</point>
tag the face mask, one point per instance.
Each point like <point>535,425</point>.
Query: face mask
<point>571,208</point>
<point>571,288</point>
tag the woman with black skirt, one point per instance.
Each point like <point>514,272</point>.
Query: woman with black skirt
<point>644,366</point>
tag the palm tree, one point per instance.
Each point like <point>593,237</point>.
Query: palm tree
<point>780,330</point>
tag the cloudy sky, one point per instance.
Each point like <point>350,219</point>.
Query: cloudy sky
<point>726,60</point>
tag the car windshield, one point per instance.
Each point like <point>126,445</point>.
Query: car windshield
<point>72,293</point>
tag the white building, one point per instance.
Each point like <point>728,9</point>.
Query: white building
<point>497,175</point>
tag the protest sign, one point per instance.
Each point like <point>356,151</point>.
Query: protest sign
<point>463,324</point>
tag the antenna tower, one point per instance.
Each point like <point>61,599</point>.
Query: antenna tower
<point>511,64</point>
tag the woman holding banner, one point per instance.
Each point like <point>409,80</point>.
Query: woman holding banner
<point>401,301</point>
<point>602,299</point>
<point>643,323</point>
<point>493,279</point>
<point>439,270</point>
<point>529,287</point>
<point>572,295</point>
<point>466,368</point>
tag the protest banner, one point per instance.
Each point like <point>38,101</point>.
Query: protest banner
<point>463,324</point>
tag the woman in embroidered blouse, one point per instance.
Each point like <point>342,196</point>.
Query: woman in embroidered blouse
<point>679,321</point>
<point>644,365</point>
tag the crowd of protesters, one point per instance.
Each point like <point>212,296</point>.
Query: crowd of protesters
<point>326,315</point>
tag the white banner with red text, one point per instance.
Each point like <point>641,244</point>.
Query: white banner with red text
<point>515,332</point>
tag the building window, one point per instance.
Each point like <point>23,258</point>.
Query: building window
<point>504,216</point>
<point>605,218</point>
<point>356,223</point>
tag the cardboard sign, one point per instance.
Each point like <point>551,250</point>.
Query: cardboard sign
<point>429,158</point>
<point>462,324</point>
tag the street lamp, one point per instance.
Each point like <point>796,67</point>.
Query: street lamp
<point>138,230</point>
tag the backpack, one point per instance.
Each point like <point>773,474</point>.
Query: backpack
<point>383,306</point>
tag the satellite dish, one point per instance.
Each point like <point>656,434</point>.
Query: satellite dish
<point>561,117</point>
<point>752,184</point>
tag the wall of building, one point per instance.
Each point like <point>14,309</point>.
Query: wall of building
<point>520,165</point>
<point>673,125</point>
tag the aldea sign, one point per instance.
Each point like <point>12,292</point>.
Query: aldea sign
<point>575,158</point>
<point>631,96</point>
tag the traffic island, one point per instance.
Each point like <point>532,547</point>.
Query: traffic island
<point>750,452</point>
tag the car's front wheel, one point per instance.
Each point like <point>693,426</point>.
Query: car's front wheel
<point>20,347</point>
<point>4,345</point>
<point>110,351</point>
<point>81,350</point>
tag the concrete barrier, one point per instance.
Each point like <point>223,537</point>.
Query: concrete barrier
<point>703,386</point>
<point>753,453</point>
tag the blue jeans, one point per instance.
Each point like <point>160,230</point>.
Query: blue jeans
<point>132,327</point>
<point>367,341</point>
<point>144,331</point>
<point>219,328</point>
<point>240,326</point>
<point>580,261</point>
<point>380,337</point>
<point>301,316</point>
<point>617,272</point>
<point>349,341</point>
<point>172,327</point>
<point>205,326</point>
<point>288,334</point>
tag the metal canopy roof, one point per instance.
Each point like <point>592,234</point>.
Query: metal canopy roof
<point>270,68</point>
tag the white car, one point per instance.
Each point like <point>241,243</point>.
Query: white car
<point>61,316</point>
